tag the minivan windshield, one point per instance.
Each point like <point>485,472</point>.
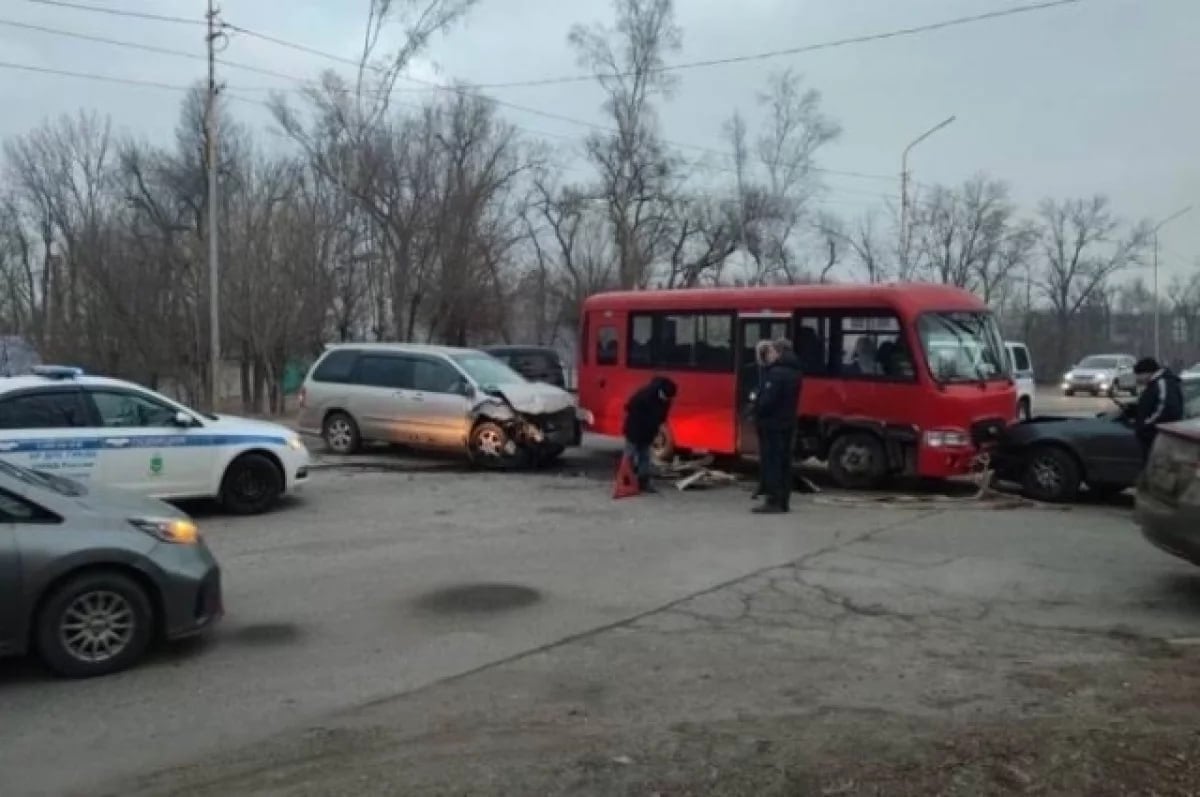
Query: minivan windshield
<point>963,347</point>
<point>1098,363</point>
<point>487,370</point>
<point>47,481</point>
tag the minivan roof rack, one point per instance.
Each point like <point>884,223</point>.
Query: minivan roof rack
<point>57,371</point>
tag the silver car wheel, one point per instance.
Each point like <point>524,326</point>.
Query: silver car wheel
<point>339,436</point>
<point>489,442</point>
<point>97,626</point>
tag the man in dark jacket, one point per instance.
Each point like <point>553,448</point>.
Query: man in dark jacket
<point>775,412</point>
<point>1160,400</point>
<point>645,413</point>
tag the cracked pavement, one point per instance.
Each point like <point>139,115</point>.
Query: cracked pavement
<point>783,657</point>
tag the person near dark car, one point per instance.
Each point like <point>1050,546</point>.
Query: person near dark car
<point>645,413</point>
<point>1160,400</point>
<point>775,412</point>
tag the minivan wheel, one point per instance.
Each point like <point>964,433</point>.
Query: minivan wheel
<point>252,485</point>
<point>857,461</point>
<point>95,624</point>
<point>340,434</point>
<point>1051,474</point>
<point>492,448</point>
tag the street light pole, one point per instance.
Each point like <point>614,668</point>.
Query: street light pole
<point>1159,226</point>
<point>904,190</point>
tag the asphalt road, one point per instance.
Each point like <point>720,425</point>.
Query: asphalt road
<point>377,583</point>
<point>337,600</point>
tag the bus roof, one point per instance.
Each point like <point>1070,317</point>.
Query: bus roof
<point>911,297</point>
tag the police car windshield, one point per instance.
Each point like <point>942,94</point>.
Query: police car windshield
<point>46,481</point>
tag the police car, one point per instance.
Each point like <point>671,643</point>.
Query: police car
<point>117,434</point>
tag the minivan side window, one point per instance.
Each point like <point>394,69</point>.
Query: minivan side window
<point>382,370</point>
<point>60,409</point>
<point>337,366</point>
<point>435,376</point>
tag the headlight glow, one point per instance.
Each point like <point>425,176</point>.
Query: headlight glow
<point>295,443</point>
<point>172,530</point>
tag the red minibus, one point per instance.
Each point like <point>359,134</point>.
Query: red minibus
<point>898,379</point>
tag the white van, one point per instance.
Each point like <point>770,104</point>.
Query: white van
<point>1022,367</point>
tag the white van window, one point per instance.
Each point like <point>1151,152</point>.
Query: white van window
<point>1021,358</point>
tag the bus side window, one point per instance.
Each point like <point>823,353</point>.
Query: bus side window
<point>641,341</point>
<point>606,345</point>
<point>872,346</point>
<point>812,344</point>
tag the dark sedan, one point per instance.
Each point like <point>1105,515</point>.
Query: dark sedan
<point>1054,458</point>
<point>90,577</point>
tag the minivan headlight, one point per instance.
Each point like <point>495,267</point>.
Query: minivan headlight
<point>172,530</point>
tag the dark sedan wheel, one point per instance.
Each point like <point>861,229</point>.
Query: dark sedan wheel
<point>251,486</point>
<point>95,624</point>
<point>1051,474</point>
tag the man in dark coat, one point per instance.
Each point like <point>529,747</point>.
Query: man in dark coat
<point>645,413</point>
<point>1160,400</point>
<point>760,365</point>
<point>775,412</point>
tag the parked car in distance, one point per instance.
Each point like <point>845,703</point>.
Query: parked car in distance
<point>1101,375</point>
<point>535,363</point>
<point>112,433</point>
<point>1168,493</point>
<point>1022,369</point>
<point>1052,458</point>
<point>90,577</point>
<point>436,398</point>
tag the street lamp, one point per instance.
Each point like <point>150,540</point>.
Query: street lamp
<point>904,189</point>
<point>1159,226</point>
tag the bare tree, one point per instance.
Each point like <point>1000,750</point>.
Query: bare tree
<point>1083,247</point>
<point>636,170</point>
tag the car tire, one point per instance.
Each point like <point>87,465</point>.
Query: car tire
<point>96,623</point>
<point>252,484</point>
<point>1051,474</point>
<point>488,448</point>
<point>1024,409</point>
<point>857,461</point>
<point>340,433</point>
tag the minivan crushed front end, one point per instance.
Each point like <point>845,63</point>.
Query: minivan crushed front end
<point>537,422</point>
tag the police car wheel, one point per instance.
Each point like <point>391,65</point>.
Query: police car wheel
<point>252,485</point>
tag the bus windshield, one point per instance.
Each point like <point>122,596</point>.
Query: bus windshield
<point>963,347</point>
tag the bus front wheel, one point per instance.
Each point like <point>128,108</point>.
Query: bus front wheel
<point>857,461</point>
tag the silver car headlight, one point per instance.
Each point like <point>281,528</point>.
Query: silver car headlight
<point>173,530</point>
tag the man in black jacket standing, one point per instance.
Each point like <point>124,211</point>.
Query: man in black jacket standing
<point>1160,400</point>
<point>645,413</point>
<point>775,412</point>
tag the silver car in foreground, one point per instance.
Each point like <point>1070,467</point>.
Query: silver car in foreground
<point>89,578</point>
<point>436,398</point>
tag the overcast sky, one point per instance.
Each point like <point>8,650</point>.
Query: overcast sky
<point>1097,97</point>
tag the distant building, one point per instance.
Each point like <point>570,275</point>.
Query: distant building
<point>17,356</point>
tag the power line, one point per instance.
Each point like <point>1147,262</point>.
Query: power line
<point>92,76</point>
<point>119,12</point>
<point>472,91</point>
<point>806,48</point>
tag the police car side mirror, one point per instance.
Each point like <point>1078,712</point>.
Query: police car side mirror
<point>184,420</point>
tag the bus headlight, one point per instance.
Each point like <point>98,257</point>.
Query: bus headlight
<point>947,438</point>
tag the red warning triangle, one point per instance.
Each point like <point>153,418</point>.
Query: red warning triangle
<point>626,484</point>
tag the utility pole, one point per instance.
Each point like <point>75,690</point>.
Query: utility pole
<point>210,149</point>
<point>904,192</point>
<point>1159,226</point>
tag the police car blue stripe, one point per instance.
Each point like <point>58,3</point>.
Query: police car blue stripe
<point>118,442</point>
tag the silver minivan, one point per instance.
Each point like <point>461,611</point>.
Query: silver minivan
<point>435,398</point>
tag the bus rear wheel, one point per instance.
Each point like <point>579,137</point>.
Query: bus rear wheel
<point>857,461</point>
